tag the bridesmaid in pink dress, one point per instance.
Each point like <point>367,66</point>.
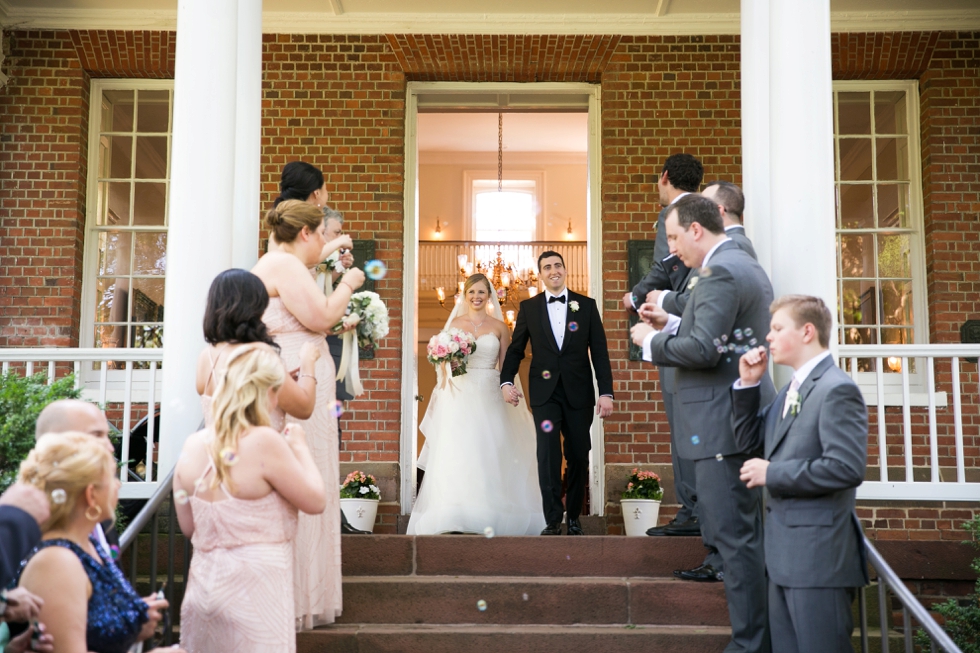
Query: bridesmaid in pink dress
<point>299,313</point>
<point>237,488</point>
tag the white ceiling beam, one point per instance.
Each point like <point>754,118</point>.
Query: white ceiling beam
<point>337,6</point>
<point>663,6</point>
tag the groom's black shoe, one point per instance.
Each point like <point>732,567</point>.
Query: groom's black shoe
<point>690,528</point>
<point>347,529</point>
<point>701,574</point>
<point>574,527</point>
<point>552,529</point>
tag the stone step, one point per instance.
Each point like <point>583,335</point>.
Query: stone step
<point>470,555</point>
<point>532,601</point>
<point>371,638</point>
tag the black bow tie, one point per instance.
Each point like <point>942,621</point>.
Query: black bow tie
<point>557,299</point>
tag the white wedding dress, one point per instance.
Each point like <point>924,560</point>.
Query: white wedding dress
<point>481,467</point>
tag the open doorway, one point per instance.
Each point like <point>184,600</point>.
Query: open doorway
<point>492,180</point>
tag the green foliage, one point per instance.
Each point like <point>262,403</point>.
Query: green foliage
<point>21,401</point>
<point>643,485</point>
<point>962,618</point>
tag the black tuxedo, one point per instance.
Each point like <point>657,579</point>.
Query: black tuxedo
<point>561,392</point>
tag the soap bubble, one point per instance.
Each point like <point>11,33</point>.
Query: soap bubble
<point>337,409</point>
<point>731,346</point>
<point>198,485</point>
<point>738,334</point>
<point>375,270</point>
<point>481,605</point>
<point>547,426</point>
<point>753,342</point>
<point>716,342</point>
<point>573,326</point>
<point>748,332</point>
<point>568,557</point>
<point>488,531</point>
<point>724,338</point>
<point>180,496</point>
<point>720,349</point>
<point>228,456</point>
<point>58,496</point>
<point>719,457</point>
<point>695,439</point>
<point>728,360</point>
<point>546,375</point>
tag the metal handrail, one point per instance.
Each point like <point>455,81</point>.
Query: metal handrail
<point>147,512</point>
<point>887,578</point>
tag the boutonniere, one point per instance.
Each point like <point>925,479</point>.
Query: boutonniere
<point>573,306</point>
<point>693,282</point>
<point>794,402</point>
<point>332,263</point>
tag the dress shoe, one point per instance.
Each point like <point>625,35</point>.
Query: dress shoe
<point>347,529</point>
<point>575,527</point>
<point>552,529</point>
<point>689,528</point>
<point>701,574</point>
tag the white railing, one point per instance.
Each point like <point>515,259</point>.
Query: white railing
<point>126,380</point>
<point>438,267</point>
<point>917,380</point>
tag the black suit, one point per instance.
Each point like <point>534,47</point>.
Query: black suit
<point>19,533</point>
<point>561,392</point>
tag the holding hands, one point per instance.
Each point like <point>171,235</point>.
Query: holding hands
<point>511,395</point>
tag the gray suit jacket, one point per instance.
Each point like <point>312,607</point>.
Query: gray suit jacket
<point>817,459</point>
<point>728,308</point>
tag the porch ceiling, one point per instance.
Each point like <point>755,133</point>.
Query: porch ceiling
<point>507,16</point>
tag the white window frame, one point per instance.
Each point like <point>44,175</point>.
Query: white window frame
<point>469,197</point>
<point>916,230</point>
<point>115,382</point>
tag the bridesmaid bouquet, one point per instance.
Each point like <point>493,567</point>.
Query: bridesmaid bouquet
<point>451,347</point>
<point>369,315</point>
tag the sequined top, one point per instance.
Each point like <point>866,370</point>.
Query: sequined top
<point>115,612</point>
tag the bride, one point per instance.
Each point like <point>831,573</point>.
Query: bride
<point>479,454</point>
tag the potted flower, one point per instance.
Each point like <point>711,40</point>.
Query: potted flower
<point>359,496</point>
<point>641,502</point>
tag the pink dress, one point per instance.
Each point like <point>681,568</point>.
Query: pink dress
<point>316,549</point>
<point>236,600</point>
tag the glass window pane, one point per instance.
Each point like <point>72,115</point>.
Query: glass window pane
<point>857,255</point>
<point>855,159</point>
<point>896,337</point>
<point>112,299</point>
<point>150,255</point>
<point>116,157</point>
<point>113,203</point>
<point>856,336</point>
<point>856,207</point>
<point>151,157</point>
<point>117,111</point>
<point>893,206</point>
<point>504,216</point>
<point>114,253</point>
<point>890,112</point>
<point>147,336</point>
<point>893,157</point>
<point>896,303</point>
<point>853,113</point>
<point>858,303</point>
<point>148,300</point>
<point>111,336</point>
<point>150,202</point>
<point>154,111</point>
<point>894,258</point>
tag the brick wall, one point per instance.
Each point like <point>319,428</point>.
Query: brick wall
<point>338,102</point>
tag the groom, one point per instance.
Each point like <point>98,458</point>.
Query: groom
<point>564,328</point>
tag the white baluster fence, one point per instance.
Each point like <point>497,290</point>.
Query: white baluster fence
<point>126,382</point>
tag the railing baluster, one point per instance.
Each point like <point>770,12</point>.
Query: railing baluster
<point>77,371</point>
<point>882,432</point>
<point>127,407</point>
<point>958,422</point>
<point>907,626</point>
<point>154,551</point>
<point>863,612</point>
<point>6,367</point>
<point>50,372</point>
<point>854,370</point>
<point>30,368</point>
<point>151,406</point>
<point>171,563</point>
<point>933,431</point>
<point>907,419</point>
<point>883,612</point>
<point>103,381</point>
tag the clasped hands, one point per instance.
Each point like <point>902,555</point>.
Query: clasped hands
<point>603,408</point>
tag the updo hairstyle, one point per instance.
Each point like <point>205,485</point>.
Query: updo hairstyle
<point>299,180</point>
<point>288,218</point>
<point>240,402</point>
<point>62,465</point>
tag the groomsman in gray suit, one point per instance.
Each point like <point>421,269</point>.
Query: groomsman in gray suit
<point>815,439</point>
<point>728,310</point>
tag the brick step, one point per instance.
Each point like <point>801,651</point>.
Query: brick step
<point>371,638</point>
<point>532,601</point>
<point>470,555</point>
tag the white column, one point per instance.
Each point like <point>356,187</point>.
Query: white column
<point>245,216</point>
<point>801,146</point>
<point>204,167</point>
<point>755,127</point>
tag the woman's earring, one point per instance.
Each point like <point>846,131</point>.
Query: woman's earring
<point>98,515</point>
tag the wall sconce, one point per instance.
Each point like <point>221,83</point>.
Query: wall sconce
<point>441,295</point>
<point>438,229</point>
<point>569,228</point>
<point>509,319</point>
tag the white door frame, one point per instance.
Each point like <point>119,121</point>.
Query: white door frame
<point>508,94</point>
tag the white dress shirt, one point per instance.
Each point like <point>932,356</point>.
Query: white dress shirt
<point>556,314</point>
<point>673,322</point>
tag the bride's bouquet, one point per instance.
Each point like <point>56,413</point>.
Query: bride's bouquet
<point>369,315</point>
<point>451,347</point>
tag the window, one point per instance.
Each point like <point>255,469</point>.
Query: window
<point>508,214</point>
<point>881,271</point>
<point>126,225</point>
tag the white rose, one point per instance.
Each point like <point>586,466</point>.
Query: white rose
<point>364,490</point>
